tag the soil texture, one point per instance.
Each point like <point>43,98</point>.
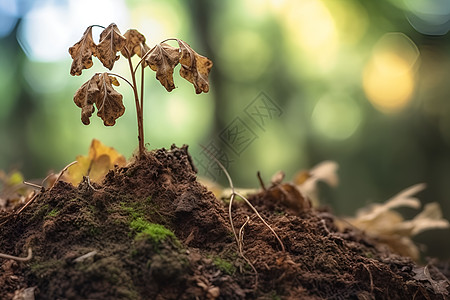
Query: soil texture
<point>152,231</point>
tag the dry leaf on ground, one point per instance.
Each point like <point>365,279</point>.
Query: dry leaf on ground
<point>96,165</point>
<point>389,226</point>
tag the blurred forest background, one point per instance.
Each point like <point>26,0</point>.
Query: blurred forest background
<point>294,83</point>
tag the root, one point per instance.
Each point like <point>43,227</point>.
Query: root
<point>241,252</point>
<point>230,205</point>
<point>23,259</point>
<point>239,239</point>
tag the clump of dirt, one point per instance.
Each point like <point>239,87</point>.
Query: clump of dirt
<point>152,231</point>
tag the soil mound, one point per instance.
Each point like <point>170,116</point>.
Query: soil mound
<point>152,231</point>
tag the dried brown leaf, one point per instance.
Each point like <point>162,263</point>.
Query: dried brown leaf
<point>109,104</point>
<point>111,41</point>
<point>99,90</point>
<point>194,67</point>
<point>163,58</point>
<point>82,53</point>
<point>86,96</point>
<point>134,42</point>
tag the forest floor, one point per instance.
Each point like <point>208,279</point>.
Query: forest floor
<point>150,230</point>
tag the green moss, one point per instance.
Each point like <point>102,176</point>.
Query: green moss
<point>224,265</point>
<point>132,211</point>
<point>155,232</point>
<point>53,213</point>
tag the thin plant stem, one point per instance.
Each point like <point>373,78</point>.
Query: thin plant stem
<point>142,97</point>
<point>138,106</point>
<point>121,77</point>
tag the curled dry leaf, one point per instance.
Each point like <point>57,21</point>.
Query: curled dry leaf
<point>108,101</point>
<point>389,226</point>
<point>109,104</point>
<point>194,67</point>
<point>111,41</point>
<point>307,180</point>
<point>96,165</point>
<point>134,43</point>
<point>85,98</point>
<point>163,58</point>
<point>82,53</point>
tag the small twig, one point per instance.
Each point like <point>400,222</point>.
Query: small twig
<point>28,203</point>
<point>36,186</point>
<point>241,235</point>
<point>262,219</point>
<point>241,251</point>
<point>261,182</point>
<point>23,259</point>
<point>62,173</point>
<point>233,194</point>
<point>88,180</point>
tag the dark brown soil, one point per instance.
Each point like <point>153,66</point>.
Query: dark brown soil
<point>194,256</point>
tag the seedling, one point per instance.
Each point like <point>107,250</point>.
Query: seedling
<point>162,59</point>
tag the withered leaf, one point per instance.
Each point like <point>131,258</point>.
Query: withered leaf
<point>111,41</point>
<point>163,58</point>
<point>86,96</point>
<point>109,104</point>
<point>108,101</point>
<point>96,164</point>
<point>142,51</point>
<point>194,67</point>
<point>134,42</point>
<point>82,53</point>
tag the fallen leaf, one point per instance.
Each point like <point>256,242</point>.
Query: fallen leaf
<point>429,218</point>
<point>134,42</point>
<point>194,67</point>
<point>111,41</point>
<point>307,180</point>
<point>163,58</point>
<point>99,90</point>
<point>96,165</point>
<point>403,199</point>
<point>389,226</point>
<point>82,53</point>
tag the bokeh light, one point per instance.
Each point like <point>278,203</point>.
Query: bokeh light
<point>430,17</point>
<point>336,116</point>
<point>389,76</point>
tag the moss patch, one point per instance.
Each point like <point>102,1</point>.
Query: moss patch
<point>224,265</point>
<point>155,232</point>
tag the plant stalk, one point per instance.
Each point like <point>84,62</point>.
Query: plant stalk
<point>138,108</point>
